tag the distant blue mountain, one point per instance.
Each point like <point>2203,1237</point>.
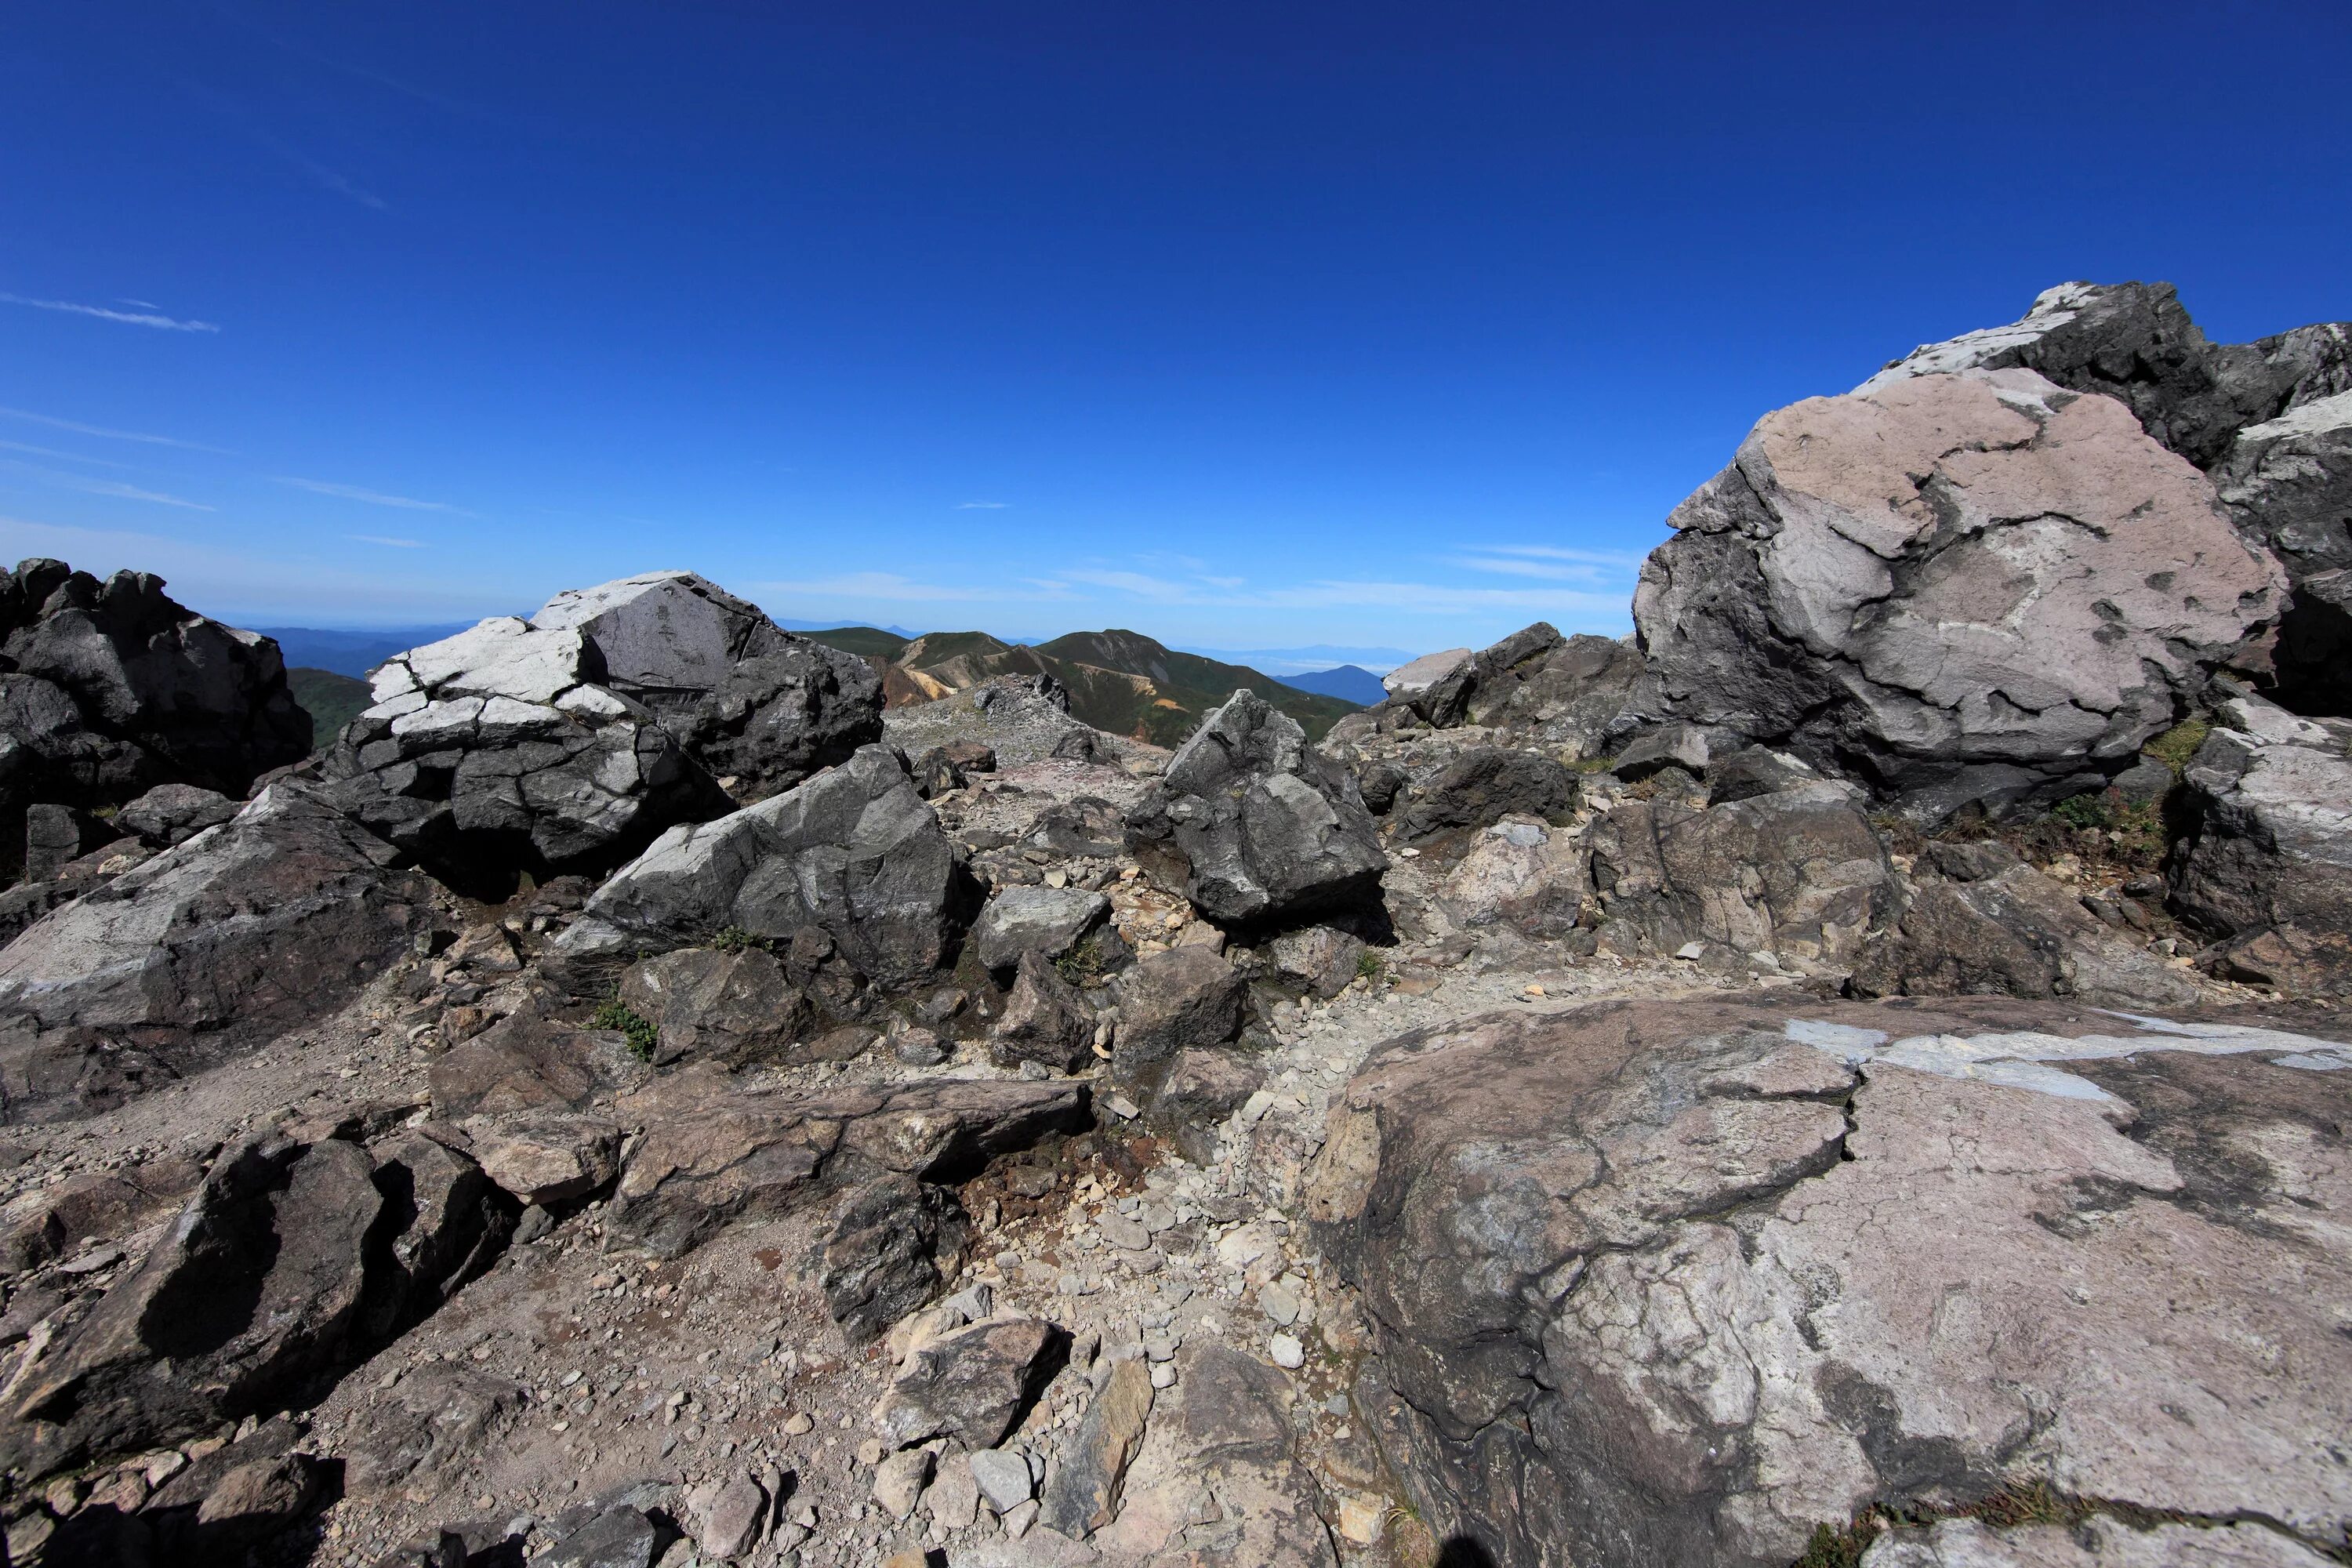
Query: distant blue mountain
<point>1348,683</point>
<point>1312,658</point>
<point>349,652</point>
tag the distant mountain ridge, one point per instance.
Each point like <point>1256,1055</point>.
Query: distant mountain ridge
<point>1348,683</point>
<point>1120,681</point>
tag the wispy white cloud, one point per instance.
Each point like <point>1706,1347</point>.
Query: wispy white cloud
<point>52,452</point>
<point>372,497</point>
<point>128,318</point>
<point>100,430</point>
<point>114,489</point>
<point>269,586</point>
<point>1548,571</point>
<point>380,538</point>
<point>1560,553</point>
<point>982,505</point>
<point>1549,562</point>
<point>890,587</point>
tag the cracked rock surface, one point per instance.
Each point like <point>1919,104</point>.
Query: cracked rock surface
<point>1676,1281</point>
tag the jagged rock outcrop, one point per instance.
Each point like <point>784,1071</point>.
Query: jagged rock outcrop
<point>1962,588</point>
<point>566,743</point>
<point>728,1007</point>
<point>2014,932</point>
<point>2267,860</point>
<point>752,702</point>
<point>2134,342</point>
<point>855,854</point>
<point>1677,1282</point>
<point>110,688</point>
<point>713,1151</point>
<point>230,938</point>
<point>1252,825</point>
<point>1481,787</point>
<point>2270,421</point>
<point>1562,690</point>
<point>273,1274</point>
<point>1798,875</point>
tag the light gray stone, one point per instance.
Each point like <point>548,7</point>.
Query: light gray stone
<point>1048,922</point>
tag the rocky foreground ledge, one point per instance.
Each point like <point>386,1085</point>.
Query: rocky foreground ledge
<point>1852,1075</point>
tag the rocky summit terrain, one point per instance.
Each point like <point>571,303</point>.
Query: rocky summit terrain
<point>1854,1074</point>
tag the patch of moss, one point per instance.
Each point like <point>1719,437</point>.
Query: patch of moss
<point>2178,744</point>
<point>735,939</point>
<point>1841,1546</point>
<point>640,1035</point>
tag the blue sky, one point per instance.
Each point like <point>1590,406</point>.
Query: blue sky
<point>1244,326</point>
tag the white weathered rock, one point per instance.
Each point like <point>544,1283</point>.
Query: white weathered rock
<point>1421,674</point>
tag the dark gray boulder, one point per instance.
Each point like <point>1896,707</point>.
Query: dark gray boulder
<point>1482,785</point>
<point>174,813</point>
<point>732,1007</point>
<point>291,1261</point>
<point>894,1243</point>
<point>1251,824</point>
<point>1045,1020</point>
<point>2013,932</point>
<point>972,1383</point>
<point>1798,875</point>
<point>1561,690</point>
<point>230,938</point>
<point>854,853</point>
<point>1168,1001</point>
<point>110,688</point>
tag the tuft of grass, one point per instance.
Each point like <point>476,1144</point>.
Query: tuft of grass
<point>1369,965</point>
<point>1841,1546</point>
<point>640,1035</point>
<point>735,939</point>
<point>2178,744</point>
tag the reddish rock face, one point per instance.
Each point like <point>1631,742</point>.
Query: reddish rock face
<point>1971,586</point>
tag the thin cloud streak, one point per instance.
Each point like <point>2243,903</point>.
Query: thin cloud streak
<point>111,487</point>
<point>372,497</point>
<point>1545,570</point>
<point>100,430</point>
<point>129,318</point>
<point>1414,599</point>
<point>380,538</point>
<point>28,446</point>
<point>982,505</point>
<point>892,587</point>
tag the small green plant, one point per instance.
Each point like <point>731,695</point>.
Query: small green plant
<point>735,939</point>
<point>2084,811</point>
<point>2178,744</point>
<point>639,1036</point>
<point>1840,1547</point>
<point>1083,965</point>
<point>1369,965</point>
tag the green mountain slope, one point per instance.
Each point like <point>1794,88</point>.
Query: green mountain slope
<point>333,701</point>
<point>1119,680</point>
